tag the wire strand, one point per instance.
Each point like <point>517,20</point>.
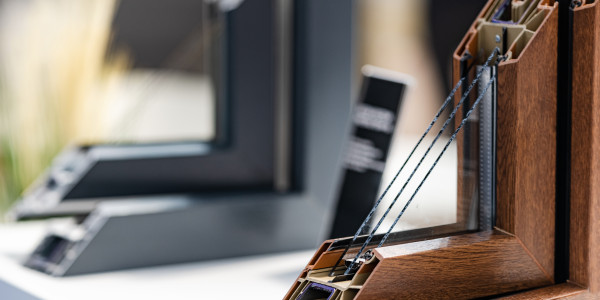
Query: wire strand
<point>465,95</point>
<point>481,95</point>
<point>368,218</point>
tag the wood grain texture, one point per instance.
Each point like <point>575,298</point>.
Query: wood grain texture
<point>507,143</point>
<point>526,140</point>
<point>582,296</point>
<point>530,83</point>
<point>584,266</point>
<point>324,258</point>
<point>558,291</point>
<point>459,267</point>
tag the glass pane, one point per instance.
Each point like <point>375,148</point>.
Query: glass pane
<point>405,36</point>
<point>174,51</point>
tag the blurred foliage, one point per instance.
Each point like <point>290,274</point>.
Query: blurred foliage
<point>55,83</point>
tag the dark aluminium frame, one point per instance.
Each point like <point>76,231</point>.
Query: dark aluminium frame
<point>251,218</point>
<point>247,154</point>
<point>282,122</point>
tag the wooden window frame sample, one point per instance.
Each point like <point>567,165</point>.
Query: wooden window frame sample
<point>526,132</point>
<point>516,260</point>
<point>463,266</point>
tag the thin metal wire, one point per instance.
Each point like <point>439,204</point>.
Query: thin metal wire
<point>465,95</point>
<point>368,218</point>
<point>462,123</point>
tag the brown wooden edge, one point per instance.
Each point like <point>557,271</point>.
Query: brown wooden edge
<point>557,291</point>
<point>456,267</point>
<point>584,264</point>
<point>459,267</point>
<point>526,136</point>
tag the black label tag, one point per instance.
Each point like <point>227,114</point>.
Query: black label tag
<point>373,123</point>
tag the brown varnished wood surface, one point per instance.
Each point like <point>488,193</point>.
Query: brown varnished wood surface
<point>458,267</point>
<point>507,143</point>
<point>324,246</point>
<point>584,267</point>
<point>526,169</point>
<point>581,296</point>
<point>526,140</point>
<point>558,291</point>
<point>389,252</point>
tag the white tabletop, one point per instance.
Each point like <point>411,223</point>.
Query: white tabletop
<point>256,277</point>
